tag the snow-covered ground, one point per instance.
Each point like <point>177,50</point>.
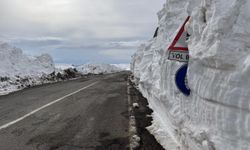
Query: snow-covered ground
<point>216,114</point>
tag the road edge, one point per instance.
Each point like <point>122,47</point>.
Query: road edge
<point>134,139</point>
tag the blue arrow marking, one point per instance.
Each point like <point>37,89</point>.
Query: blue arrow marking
<point>181,80</point>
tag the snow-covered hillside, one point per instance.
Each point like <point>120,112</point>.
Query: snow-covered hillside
<point>216,114</point>
<point>97,68</point>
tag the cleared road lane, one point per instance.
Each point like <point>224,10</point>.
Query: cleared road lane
<point>86,114</point>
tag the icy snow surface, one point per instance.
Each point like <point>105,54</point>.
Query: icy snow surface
<point>216,115</point>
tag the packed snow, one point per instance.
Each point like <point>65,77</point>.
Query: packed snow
<point>216,114</point>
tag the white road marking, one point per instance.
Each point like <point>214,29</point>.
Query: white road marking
<point>45,106</point>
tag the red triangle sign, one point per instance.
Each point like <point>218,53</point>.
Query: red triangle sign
<point>178,50</point>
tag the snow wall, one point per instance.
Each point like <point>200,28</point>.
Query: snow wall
<point>15,63</point>
<point>18,70</point>
<point>216,115</point>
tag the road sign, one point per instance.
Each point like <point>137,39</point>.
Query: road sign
<point>178,50</point>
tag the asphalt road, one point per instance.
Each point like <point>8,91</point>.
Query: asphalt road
<point>84,114</point>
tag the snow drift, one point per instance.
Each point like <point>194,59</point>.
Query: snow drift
<point>216,115</point>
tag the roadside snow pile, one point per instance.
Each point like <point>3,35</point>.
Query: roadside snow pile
<point>97,69</point>
<point>216,115</point>
<point>18,71</point>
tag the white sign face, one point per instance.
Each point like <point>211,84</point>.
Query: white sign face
<point>181,56</point>
<point>182,37</point>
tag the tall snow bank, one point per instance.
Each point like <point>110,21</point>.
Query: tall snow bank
<point>18,70</point>
<point>97,68</point>
<point>15,63</point>
<point>216,115</point>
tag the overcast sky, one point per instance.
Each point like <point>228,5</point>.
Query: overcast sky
<point>79,31</point>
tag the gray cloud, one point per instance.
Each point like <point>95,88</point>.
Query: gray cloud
<point>84,29</point>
